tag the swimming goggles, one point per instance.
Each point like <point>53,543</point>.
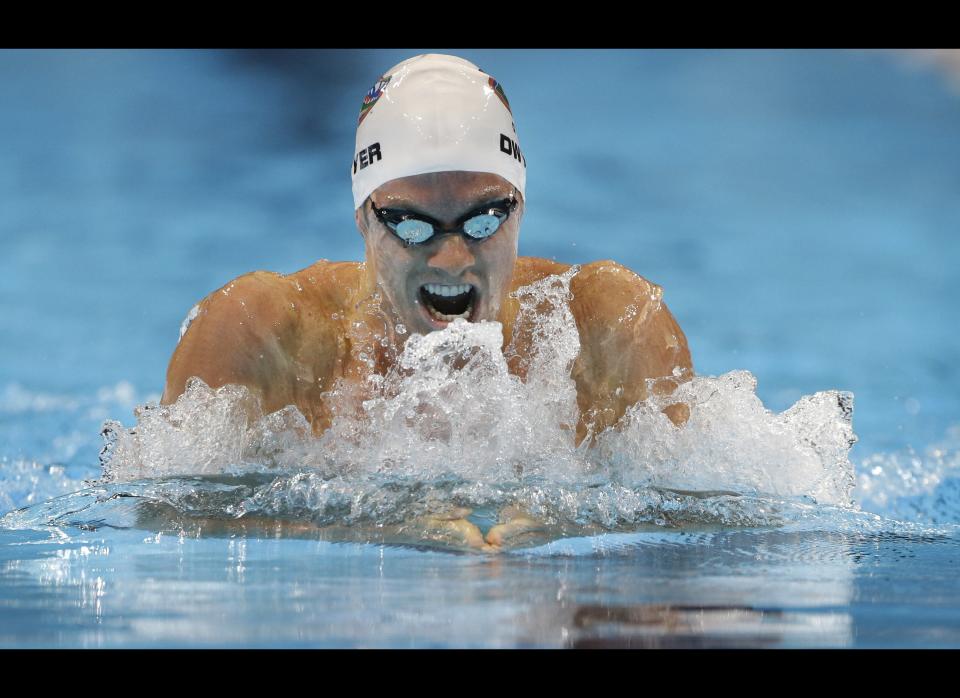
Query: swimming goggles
<point>414,228</point>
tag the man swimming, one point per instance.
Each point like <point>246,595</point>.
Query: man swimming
<point>438,185</point>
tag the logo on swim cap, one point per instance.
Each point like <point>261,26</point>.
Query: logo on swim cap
<point>372,96</point>
<point>498,88</point>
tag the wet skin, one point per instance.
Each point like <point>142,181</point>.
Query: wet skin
<point>292,338</point>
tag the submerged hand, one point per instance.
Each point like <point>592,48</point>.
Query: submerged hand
<point>453,528</point>
<point>515,525</point>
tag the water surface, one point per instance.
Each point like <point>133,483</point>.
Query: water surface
<point>798,208</point>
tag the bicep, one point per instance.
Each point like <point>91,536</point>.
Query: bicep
<point>660,363</point>
<point>630,356</point>
<point>211,350</point>
<point>630,342</point>
<point>660,352</point>
<point>235,338</point>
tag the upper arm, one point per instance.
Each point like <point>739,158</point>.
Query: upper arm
<point>629,338</point>
<point>241,334</point>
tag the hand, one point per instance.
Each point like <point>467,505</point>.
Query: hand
<point>452,528</point>
<point>515,525</point>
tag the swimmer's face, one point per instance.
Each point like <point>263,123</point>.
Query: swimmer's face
<point>449,275</point>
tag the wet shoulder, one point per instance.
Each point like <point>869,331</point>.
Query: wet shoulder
<point>248,299</point>
<point>606,287</point>
<point>529,270</point>
<point>608,276</point>
<point>325,296</point>
<point>263,329</point>
<point>233,335</point>
<point>601,286</point>
<point>277,305</point>
<point>328,284</point>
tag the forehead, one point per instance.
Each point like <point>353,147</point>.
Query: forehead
<point>442,191</point>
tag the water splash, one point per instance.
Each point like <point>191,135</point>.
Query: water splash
<point>451,426</point>
<point>906,485</point>
<point>732,442</point>
<point>26,482</point>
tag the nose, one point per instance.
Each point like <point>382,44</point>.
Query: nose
<point>452,255</point>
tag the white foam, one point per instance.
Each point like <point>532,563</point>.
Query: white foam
<point>26,482</point>
<point>912,486</point>
<point>451,419</point>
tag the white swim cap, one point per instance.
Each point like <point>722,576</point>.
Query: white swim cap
<point>435,113</point>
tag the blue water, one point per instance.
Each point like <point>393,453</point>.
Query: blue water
<point>798,208</point>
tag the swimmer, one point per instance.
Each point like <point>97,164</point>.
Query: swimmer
<point>438,186</point>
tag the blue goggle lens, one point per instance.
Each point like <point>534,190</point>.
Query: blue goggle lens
<point>412,230</point>
<point>482,226</point>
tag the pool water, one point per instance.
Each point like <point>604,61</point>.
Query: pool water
<point>798,208</point>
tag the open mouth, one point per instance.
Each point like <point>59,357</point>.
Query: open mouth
<point>446,303</point>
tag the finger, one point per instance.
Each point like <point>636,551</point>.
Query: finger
<point>455,531</point>
<point>519,525</point>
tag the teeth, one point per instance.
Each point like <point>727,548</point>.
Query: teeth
<point>447,290</point>
<point>449,318</point>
